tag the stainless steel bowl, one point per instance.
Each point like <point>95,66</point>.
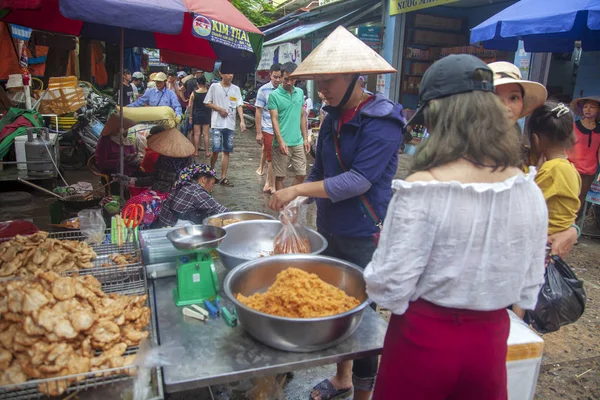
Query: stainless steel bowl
<point>241,215</point>
<point>196,237</point>
<point>250,240</point>
<point>297,334</point>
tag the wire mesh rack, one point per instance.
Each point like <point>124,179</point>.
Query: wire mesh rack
<point>127,279</point>
<point>33,389</point>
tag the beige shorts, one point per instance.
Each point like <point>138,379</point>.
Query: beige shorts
<point>296,156</point>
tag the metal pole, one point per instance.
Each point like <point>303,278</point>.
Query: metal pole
<point>121,130</point>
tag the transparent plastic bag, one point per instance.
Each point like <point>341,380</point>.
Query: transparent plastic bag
<point>149,357</point>
<point>292,239</point>
<point>268,388</point>
<point>92,225</point>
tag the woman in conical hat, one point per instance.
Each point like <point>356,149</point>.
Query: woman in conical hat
<point>354,190</point>
<point>175,153</point>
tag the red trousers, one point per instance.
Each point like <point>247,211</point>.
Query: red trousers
<point>438,353</point>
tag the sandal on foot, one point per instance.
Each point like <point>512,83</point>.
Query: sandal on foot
<point>226,182</point>
<point>328,392</point>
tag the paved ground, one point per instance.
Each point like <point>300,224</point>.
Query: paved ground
<point>571,365</point>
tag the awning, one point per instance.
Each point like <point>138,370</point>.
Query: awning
<point>543,25</point>
<point>301,31</point>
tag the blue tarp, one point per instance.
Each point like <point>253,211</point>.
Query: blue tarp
<point>543,25</point>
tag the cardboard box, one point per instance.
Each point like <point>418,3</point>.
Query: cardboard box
<point>433,21</point>
<point>438,38</point>
<point>418,68</point>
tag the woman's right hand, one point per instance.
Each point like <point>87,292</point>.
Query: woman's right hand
<point>563,242</point>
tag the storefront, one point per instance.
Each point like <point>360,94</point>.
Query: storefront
<point>419,32</point>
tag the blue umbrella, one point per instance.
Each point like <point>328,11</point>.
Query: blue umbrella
<point>543,25</point>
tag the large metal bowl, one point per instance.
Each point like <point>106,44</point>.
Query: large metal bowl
<point>241,215</point>
<point>196,237</point>
<point>297,334</point>
<point>250,240</point>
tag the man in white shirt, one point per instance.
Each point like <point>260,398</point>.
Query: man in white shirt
<point>224,98</point>
<point>264,125</point>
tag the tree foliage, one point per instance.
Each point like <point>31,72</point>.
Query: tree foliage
<point>260,12</point>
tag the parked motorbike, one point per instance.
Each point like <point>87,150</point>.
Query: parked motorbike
<point>249,111</point>
<point>79,144</point>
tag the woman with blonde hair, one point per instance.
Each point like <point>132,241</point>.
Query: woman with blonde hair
<point>481,225</point>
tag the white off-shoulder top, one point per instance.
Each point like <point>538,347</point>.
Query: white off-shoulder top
<point>478,246</point>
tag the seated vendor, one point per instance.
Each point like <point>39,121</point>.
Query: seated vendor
<point>150,156</point>
<point>190,199</point>
<point>107,149</point>
<point>175,153</point>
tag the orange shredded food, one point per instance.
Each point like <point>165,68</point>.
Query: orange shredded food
<point>298,294</point>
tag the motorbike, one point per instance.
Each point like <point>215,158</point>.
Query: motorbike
<point>79,144</point>
<point>249,111</point>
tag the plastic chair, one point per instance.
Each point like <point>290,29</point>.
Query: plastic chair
<point>104,178</point>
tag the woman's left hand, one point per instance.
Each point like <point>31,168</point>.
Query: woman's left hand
<point>281,198</point>
<point>562,242</point>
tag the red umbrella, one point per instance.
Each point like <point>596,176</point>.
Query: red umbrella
<point>209,30</point>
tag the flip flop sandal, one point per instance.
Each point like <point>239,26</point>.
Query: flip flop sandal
<point>226,182</point>
<point>328,392</point>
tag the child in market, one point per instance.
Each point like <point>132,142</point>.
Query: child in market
<point>551,133</point>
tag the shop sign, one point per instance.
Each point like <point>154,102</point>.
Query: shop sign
<point>280,53</point>
<point>370,36</point>
<point>404,6</point>
<point>218,32</point>
<point>154,58</point>
<point>20,32</point>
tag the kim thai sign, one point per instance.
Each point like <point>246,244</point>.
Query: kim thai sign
<point>218,32</point>
<point>404,6</point>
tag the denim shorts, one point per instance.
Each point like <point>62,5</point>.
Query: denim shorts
<point>222,140</point>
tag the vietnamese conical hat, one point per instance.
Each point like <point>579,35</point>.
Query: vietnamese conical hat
<point>171,143</point>
<point>577,105</point>
<point>342,53</point>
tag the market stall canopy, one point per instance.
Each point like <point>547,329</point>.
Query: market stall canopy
<point>543,25</point>
<point>209,29</point>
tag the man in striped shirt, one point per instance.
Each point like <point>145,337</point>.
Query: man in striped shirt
<point>264,126</point>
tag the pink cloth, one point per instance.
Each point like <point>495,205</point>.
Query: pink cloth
<point>107,156</point>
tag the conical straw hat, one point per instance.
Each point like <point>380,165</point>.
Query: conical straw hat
<point>577,105</point>
<point>342,53</point>
<point>171,143</point>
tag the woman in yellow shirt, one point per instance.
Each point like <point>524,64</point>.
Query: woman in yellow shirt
<point>551,134</point>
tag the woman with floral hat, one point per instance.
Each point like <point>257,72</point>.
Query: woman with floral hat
<point>190,199</point>
<point>586,152</point>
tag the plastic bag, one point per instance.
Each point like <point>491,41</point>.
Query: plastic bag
<point>149,357</point>
<point>268,388</point>
<point>561,300</point>
<point>92,226</point>
<point>292,239</point>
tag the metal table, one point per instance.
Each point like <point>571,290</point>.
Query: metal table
<point>214,353</point>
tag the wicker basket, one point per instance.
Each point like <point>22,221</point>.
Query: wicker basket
<point>63,96</point>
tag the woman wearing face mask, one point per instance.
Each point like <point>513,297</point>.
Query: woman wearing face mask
<point>586,152</point>
<point>353,190</point>
<point>190,199</point>
<point>521,97</point>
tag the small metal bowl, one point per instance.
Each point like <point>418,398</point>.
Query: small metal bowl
<point>297,334</point>
<point>241,215</point>
<point>250,240</point>
<point>197,237</point>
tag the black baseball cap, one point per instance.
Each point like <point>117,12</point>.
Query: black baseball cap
<point>451,75</point>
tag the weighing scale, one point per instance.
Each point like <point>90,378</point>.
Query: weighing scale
<point>196,275</point>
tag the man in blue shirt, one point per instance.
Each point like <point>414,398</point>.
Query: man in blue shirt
<point>159,96</point>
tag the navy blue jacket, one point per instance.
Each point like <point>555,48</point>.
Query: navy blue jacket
<point>369,145</point>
